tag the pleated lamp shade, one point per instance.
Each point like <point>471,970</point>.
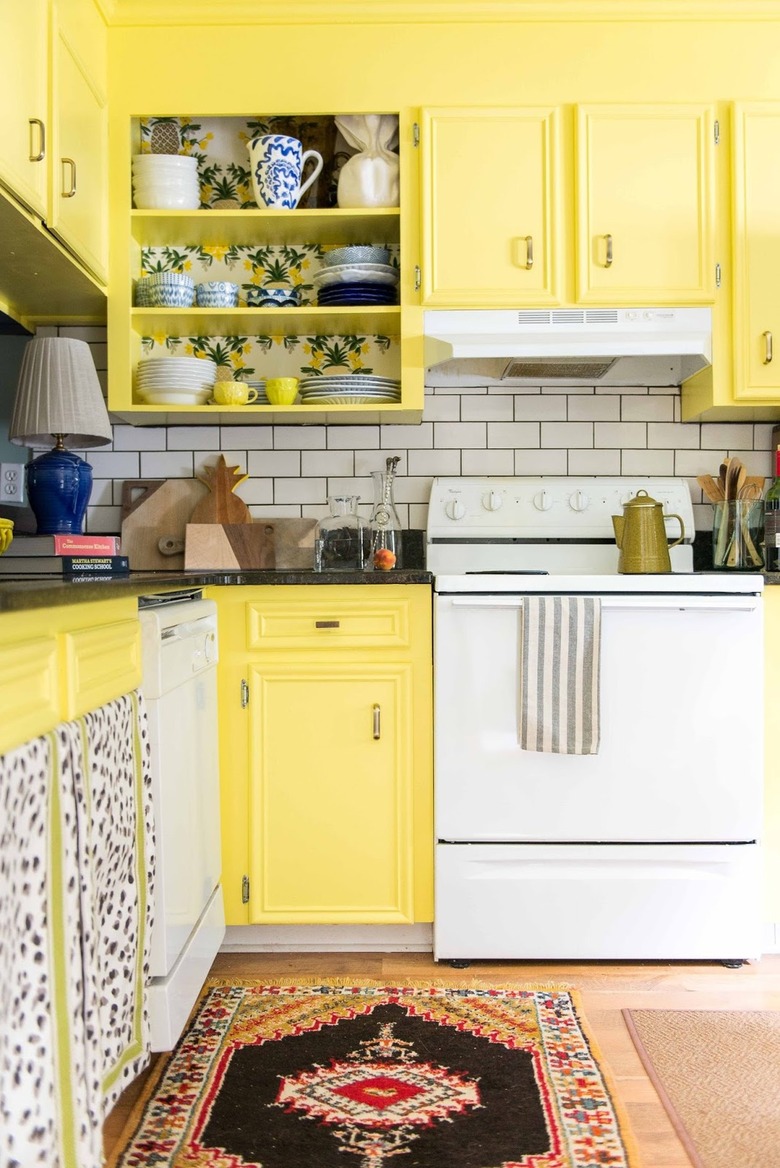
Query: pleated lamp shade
<point>58,400</point>
<point>59,393</point>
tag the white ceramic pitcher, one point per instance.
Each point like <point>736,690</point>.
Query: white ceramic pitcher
<point>277,167</point>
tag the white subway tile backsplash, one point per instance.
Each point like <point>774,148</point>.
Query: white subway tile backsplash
<point>458,434</point>
<point>173,465</point>
<point>441,408</point>
<point>568,434</point>
<point>114,465</point>
<point>256,491</point>
<point>327,463</point>
<point>140,437</point>
<point>647,409</point>
<point>274,463</point>
<point>300,491</point>
<point>404,437</point>
<point>589,408</point>
<point>620,434</point>
<point>298,437</point>
<point>511,434</point>
<point>352,437</point>
<point>246,437</point>
<point>193,437</point>
<point>102,493</point>
<point>434,462</point>
<point>762,435</point>
<point>594,462</point>
<point>724,435</point>
<point>497,408</point>
<point>541,462</point>
<point>486,462</point>
<point>647,462</point>
<point>104,520</point>
<point>672,435</point>
<point>539,408</point>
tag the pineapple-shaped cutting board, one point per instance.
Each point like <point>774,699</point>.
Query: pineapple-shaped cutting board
<point>221,505</point>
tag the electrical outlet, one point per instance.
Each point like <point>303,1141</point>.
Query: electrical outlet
<point>11,482</point>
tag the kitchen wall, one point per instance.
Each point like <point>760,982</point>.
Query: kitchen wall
<point>292,469</point>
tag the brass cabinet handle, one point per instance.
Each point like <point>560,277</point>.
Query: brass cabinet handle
<point>527,260</point>
<point>417,277</point>
<point>377,712</point>
<point>608,258</point>
<point>39,157</point>
<point>768,354</point>
<point>68,194</point>
<point>327,624</point>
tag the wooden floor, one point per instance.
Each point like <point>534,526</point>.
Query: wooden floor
<point>605,989</point>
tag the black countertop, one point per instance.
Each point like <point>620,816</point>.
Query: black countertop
<point>48,591</point>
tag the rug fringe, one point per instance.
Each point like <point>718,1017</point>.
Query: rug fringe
<point>421,983</point>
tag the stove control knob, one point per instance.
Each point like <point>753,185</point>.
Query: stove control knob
<point>579,501</point>
<point>455,509</point>
<point>492,501</point>
<point>543,501</point>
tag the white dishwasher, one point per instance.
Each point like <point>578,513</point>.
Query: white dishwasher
<point>179,653</point>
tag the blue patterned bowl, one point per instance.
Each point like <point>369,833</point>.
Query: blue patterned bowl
<point>216,294</point>
<point>273,297</point>
<point>171,296</point>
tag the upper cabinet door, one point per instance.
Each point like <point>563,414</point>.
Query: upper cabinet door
<point>490,202</point>
<point>756,235</point>
<point>24,87</point>
<point>645,204</point>
<point>80,164</point>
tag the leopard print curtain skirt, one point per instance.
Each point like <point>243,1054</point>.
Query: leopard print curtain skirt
<point>76,880</point>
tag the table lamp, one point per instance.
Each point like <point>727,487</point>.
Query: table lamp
<point>59,397</point>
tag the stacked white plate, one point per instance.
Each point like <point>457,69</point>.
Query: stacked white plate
<point>166,181</point>
<point>355,274</point>
<point>350,389</point>
<point>175,380</point>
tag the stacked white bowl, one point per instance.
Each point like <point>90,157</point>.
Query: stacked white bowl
<point>175,380</point>
<point>166,182</point>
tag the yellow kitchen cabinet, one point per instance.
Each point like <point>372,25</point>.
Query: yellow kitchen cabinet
<point>756,237</point>
<point>58,663</point>
<point>491,206</point>
<point>645,204</point>
<point>326,757</point>
<point>24,95</point>
<point>79,177</point>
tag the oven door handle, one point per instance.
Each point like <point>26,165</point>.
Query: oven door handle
<point>642,603</point>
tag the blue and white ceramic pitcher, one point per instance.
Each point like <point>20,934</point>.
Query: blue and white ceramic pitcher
<point>277,168</point>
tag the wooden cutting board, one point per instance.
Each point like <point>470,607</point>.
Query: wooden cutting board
<point>229,546</point>
<point>294,541</point>
<point>155,513</point>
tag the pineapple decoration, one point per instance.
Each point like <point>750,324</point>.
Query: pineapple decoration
<point>165,138</point>
<point>221,505</point>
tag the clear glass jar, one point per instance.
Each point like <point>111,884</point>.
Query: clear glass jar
<point>340,542</point>
<point>384,527</point>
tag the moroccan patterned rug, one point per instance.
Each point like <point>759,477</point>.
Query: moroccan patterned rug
<point>371,1075</point>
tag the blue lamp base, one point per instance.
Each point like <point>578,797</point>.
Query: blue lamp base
<point>59,484</point>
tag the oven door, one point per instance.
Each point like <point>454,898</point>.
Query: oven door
<point>680,758</point>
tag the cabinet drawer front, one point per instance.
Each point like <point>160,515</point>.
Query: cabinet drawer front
<point>361,623</point>
<point>28,691</point>
<point>102,663</point>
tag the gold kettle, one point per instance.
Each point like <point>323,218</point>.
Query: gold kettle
<point>641,536</point>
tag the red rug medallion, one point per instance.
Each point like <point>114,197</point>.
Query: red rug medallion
<point>360,1076</point>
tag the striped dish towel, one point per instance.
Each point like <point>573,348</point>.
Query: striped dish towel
<point>559,674</point>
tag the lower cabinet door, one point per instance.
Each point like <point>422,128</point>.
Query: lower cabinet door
<point>331,774</point>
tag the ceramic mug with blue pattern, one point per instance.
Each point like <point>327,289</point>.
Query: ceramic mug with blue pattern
<point>277,169</point>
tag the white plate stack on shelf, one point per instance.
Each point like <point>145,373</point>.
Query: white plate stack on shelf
<point>167,182</point>
<point>180,381</point>
<point>355,389</point>
<point>354,276</point>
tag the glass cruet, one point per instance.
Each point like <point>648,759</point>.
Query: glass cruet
<point>384,525</point>
<point>339,545</point>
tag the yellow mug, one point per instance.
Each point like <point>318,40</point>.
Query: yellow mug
<point>233,393</point>
<point>281,391</point>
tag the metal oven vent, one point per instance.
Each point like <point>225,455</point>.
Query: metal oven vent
<point>579,367</point>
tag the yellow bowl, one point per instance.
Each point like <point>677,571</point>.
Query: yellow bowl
<point>281,391</point>
<point>6,534</point>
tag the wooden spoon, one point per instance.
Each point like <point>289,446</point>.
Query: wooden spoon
<point>712,488</point>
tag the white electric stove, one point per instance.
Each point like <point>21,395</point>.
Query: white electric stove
<point>648,848</point>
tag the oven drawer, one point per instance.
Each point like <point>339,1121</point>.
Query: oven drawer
<point>597,902</point>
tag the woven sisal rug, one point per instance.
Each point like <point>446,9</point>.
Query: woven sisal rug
<point>717,1073</point>
<point>374,1076</point>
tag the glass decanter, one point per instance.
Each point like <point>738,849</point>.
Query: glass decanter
<point>340,542</point>
<point>384,525</point>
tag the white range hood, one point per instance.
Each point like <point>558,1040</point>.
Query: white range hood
<point>567,346</point>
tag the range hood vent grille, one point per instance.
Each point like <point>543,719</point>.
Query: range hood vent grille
<point>563,368</point>
<point>578,316</point>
